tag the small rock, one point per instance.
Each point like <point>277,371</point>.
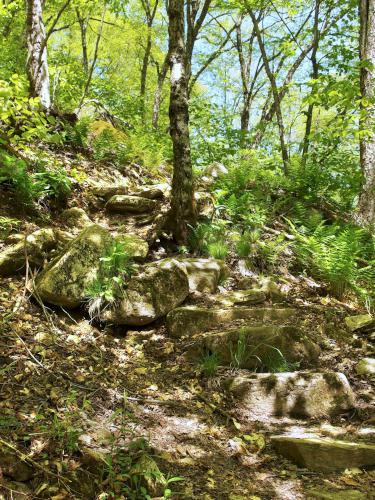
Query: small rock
<point>366,366</point>
<point>150,192</point>
<point>337,495</point>
<point>205,205</point>
<point>261,396</point>
<point>76,218</point>
<point>359,322</point>
<point>126,204</point>
<point>324,454</point>
<point>149,475</point>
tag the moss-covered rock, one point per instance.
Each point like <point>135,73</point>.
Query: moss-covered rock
<point>106,191</point>
<point>240,297</point>
<point>126,204</point>
<point>76,218</point>
<point>190,320</point>
<point>133,245</point>
<point>359,322</point>
<point>150,294</point>
<point>65,279</point>
<point>261,396</point>
<point>256,346</point>
<point>323,454</point>
<point>205,274</point>
<point>150,192</point>
<point>35,247</point>
<point>366,366</point>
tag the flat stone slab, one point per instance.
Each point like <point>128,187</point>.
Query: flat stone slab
<point>262,348</point>
<point>262,396</point>
<point>240,297</point>
<point>189,320</point>
<point>106,191</point>
<point>126,204</point>
<point>324,454</point>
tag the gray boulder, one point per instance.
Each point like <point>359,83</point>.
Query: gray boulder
<point>205,274</point>
<point>150,294</point>
<point>65,279</point>
<point>359,322</point>
<point>261,396</point>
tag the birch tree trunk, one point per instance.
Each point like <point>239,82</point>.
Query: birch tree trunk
<point>366,205</point>
<point>162,74</point>
<point>37,62</point>
<point>182,206</point>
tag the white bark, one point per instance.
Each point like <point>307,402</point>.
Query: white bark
<point>37,62</point>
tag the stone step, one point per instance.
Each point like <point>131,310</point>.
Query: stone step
<point>270,396</point>
<point>126,204</point>
<point>189,320</point>
<point>204,274</point>
<point>256,347</point>
<point>324,454</point>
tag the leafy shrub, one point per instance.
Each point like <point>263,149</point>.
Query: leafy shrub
<point>115,267</point>
<point>53,183</point>
<point>209,239</point>
<point>7,225</point>
<point>218,250</point>
<point>13,173</point>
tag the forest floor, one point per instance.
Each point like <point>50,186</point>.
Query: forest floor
<point>73,391</point>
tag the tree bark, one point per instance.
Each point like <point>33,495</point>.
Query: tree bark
<point>162,74</point>
<point>83,24</point>
<point>366,204</point>
<point>182,205</point>
<point>37,61</point>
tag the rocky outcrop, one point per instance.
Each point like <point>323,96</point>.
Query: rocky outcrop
<point>205,274</point>
<point>240,298</point>
<point>34,247</point>
<point>106,191</point>
<point>155,290</point>
<point>126,204</point>
<point>66,278</point>
<point>261,396</point>
<point>76,218</point>
<point>189,320</point>
<point>256,347</point>
<point>151,192</point>
<point>323,454</point>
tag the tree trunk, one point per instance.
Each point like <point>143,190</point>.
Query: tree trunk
<point>83,23</point>
<point>158,92</point>
<point>182,206</point>
<point>37,62</point>
<point>366,205</point>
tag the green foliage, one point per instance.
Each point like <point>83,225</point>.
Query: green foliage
<point>337,255</point>
<point>209,364</point>
<point>134,474</point>
<point>209,239</point>
<point>14,174</point>
<point>53,184</point>
<point>7,225</point>
<point>115,268</point>
<point>20,116</point>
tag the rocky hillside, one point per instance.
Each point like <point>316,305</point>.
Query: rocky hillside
<point>131,368</point>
